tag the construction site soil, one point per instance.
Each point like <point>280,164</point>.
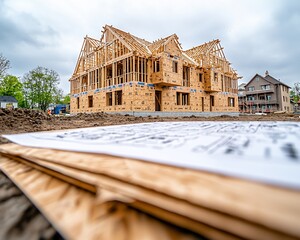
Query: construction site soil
<point>25,120</point>
<point>19,218</point>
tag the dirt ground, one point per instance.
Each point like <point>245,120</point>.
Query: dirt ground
<point>24,120</point>
<point>19,218</point>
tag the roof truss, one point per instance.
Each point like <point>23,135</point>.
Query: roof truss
<point>89,45</point>
<point>117,36</point>
<point>213,47</point>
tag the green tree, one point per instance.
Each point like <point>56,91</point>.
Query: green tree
<point>4,65</point>
<point>11,86</point>
<point>58,96</point>
<point>40,87</point>
<point>295,92</point>
<point>66,99</point>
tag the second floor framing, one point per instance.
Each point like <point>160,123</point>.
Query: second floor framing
<point>119,57</point>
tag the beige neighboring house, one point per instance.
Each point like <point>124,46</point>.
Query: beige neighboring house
<point>264,94</point>
<point>8,102</point>
<point>123,73</point>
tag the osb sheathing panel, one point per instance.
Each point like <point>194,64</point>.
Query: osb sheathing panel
<point>156,77</point>
<point>220,102</point>
<point>209,82</point>
<point>166,75</point>
<point>134,98</point>
<point>142,98</point>
<point>171,77</point>
<point>172,48</point>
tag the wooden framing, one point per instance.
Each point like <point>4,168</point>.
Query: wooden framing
<point>120,61</point>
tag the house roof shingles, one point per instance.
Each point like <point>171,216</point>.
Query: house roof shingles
<point>275,81</point>
<point>7,99</point>
<point>269,79</point>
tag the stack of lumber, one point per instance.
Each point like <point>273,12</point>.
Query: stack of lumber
<point>93,196</point>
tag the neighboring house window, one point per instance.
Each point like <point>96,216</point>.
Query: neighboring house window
<point>182,98</point>
<point>262,97</point>
<point>257,79</point>
<point>231,102</point>
<point>269,97</point>
<point>251,98</point>
<point>175,66</point>
<point>265,87</point>
<point>250,89</point>
<point>90,100</point>
<point>118,97</point>
<point>109,99</point>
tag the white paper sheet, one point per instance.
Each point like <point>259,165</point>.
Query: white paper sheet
<point>261,151</point>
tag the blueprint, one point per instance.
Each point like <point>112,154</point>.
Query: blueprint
<point>261,151</point>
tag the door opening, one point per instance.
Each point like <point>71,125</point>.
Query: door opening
<point>212,102</point>
<point>157,100</point>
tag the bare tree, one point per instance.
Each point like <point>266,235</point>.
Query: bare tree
<point>4,65</point>
<point>296,88</point>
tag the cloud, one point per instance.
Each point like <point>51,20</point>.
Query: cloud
<point>24,39</point>
<point>256,35</point>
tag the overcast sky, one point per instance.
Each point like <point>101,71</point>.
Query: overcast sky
<point>257,35</point>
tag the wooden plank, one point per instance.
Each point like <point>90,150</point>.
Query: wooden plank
<point>229,195</point>
<point>78,214</point>
<point>171,210</point>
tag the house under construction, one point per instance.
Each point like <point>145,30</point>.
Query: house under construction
<point>124,73</point>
